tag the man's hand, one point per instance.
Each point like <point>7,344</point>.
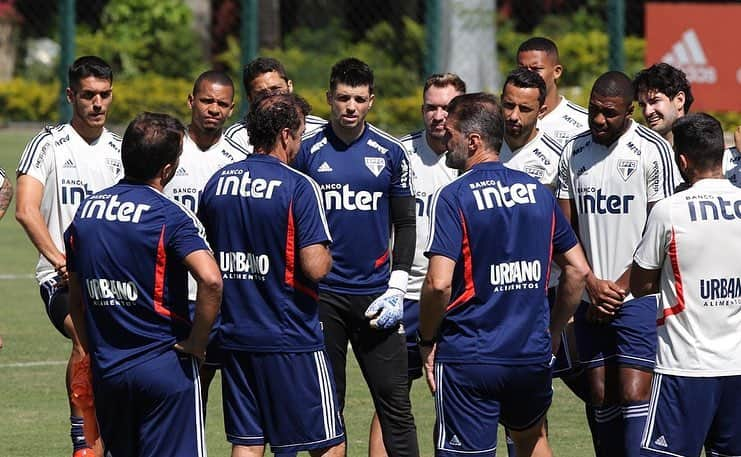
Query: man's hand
<point>387,310</point>
<point>427,353</point>
<point>187,346</point>
<point>605,293</point>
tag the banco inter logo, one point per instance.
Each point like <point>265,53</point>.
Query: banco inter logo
<point>592,201</point>
<point>687,54</point>
<point>341,196</point>
<point>238,183</point>
<point>491,193</point>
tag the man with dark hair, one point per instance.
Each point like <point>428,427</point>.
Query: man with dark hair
<point>664,95</point>
<point>426,149</point>
<point>265,74</point>
<point>58,169</point>
<point>484,323</point>
<point>205,150</point>
<point>609,178</point>
<point>526,147</point>
<point>277,384</point>
<point>562,119</point>
<point>695,399</point>
<point>365,180</point>
<point>129,249</point>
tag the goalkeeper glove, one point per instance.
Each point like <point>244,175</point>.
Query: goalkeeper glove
<point>387,310</point>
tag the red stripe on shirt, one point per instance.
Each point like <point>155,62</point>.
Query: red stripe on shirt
<point>159,281</point>
<point>381,260</point>
<point>679,307</point>
<point>290,276</point>
<point>550,254</point>
<point>290,249</point>
<point>469,289</point>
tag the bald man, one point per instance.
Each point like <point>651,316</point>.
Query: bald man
<point>609,178</point>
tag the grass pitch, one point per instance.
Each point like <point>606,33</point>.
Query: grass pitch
<point>32,365</point>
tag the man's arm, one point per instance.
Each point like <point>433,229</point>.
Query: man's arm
<point>77,311</point>
<point>6,195</point>
<point>436,291</point>
<point>202,266</point>
<point>316,261</point>
<point>737,137</point>
<point>28,214</point>
<point>404,221</point>
<point>574,273</point>
<point>643,281</point>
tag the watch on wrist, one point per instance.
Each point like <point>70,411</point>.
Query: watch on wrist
<point>423,342</point>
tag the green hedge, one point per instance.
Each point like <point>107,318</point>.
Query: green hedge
<point>22,100</point>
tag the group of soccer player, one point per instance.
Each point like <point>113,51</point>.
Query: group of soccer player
<point>469,252</point>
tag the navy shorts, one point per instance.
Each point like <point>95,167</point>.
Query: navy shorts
<point>471,399</point>
<point>629,339</point>
<point>566,363</point>
<point>214,353</point>
<point>56,303</point>
<point>285,399</point>
<point>152,409</point>
<point>686,414</point>
<point>411,325</point>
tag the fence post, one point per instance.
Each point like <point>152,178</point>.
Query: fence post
<point>432,37</point>
<point>66,53</point>
<point>616,28</point>
<point>248,37</point>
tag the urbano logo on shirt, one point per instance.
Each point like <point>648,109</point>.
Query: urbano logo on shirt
<point>340,196</point>
<point>518,275</point>
<point>111,292</point>
<point>490,193</point>
<point>243,265</point>
<point>720,291</point>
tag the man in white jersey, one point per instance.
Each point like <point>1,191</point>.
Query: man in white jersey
<point>609,178</point>
<point>526,147</point>
<point>58,169</point>
<point>205,150</point>
<point>696,393</point>
<point>562,119</point>
<point>664,95</point>
<point>265,74</point>
<point>426,149</point>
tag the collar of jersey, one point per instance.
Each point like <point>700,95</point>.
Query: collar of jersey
<point>340,145</point>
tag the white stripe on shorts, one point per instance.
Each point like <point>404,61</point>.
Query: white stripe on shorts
<point>200,427</point>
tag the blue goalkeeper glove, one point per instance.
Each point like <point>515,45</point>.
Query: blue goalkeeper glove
<point>387,310</point>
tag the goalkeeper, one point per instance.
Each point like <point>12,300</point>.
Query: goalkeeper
<point>364,177</point>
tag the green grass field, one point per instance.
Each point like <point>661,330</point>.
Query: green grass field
<point>32,363</point>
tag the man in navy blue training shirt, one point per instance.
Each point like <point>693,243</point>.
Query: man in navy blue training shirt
<point>129,250</point>
<point>485,327</point>
<point>364,177</point>
<point>272,251</point>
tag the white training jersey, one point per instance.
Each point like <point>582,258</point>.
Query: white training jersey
<point>538,158</point>
<point>692,237</point>
<point>732,165</point>
<point>429,173</point>
<point>564,122</point>
<point>611,187</point>
<point>70,169</point>
<point>2,177</point>
<point>195,169</point>
<point>238,131</point>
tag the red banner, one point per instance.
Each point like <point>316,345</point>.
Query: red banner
<point>702,40</point>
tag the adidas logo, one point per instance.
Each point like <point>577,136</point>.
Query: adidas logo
<point>324,168</point>
<point>181,172</point>
<point>68,164</point>
<point>687,54</point>
<point>661,441</point>
<point>454,441</point>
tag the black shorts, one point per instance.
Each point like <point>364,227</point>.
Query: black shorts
<point>56,303</point>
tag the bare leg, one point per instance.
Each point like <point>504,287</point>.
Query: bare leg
<point>532,442</point>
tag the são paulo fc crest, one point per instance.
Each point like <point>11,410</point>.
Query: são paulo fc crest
<point>375,165</point>
<point>114,165</point>
<point>626,168</point>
